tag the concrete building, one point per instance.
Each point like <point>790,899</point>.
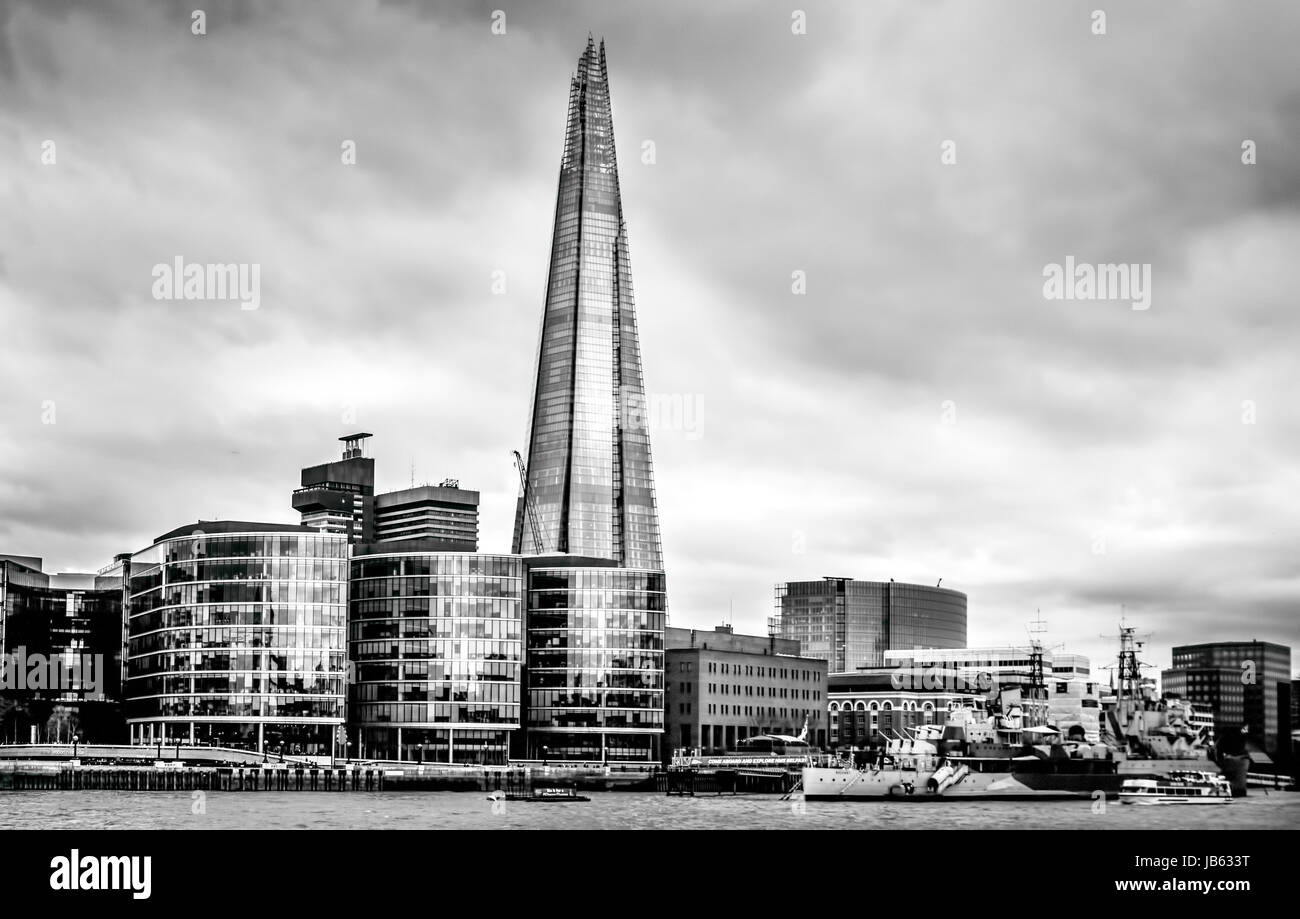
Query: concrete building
<point>871,705</point>
<point>850,624</point>
<point>1073,696</point>
<point>1036,676</point>
<point>1069,665</point>
<point>339,497</point>
<point>61,651</point>
<point>1242,683</point>
<point>923,686</point>
<point>723,688</point>
<point>1074,706</point>
<point>445,514</point>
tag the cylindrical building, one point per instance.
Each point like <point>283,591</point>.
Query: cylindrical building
<point>235,638</point>
<point>851,624</point>
<point>435,639</point>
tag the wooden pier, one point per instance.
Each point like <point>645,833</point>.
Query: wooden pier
<point>690,781</point>
<point>191,778</point>
<point>371,777</point>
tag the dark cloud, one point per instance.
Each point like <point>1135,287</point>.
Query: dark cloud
<point>821,442</point>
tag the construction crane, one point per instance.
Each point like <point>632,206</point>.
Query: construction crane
<point>528,504</point>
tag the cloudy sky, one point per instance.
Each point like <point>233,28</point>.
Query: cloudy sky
<point>920,411</point>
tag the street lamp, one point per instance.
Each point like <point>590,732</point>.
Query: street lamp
<point>422,754</point>
<point>338,738</point>
<point>75,738</point>
<point>545,749</point>
<point>348,752</point>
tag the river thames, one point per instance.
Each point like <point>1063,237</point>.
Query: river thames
<point>94,810</point>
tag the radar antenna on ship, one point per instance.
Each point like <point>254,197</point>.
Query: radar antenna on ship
<point>1037,680</point>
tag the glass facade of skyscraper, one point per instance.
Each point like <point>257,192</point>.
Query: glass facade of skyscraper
<point>236,638</point>
<point>921,616</point>
<point>436,642</point>
<point>60,654</point>
<point>595,669</point>
<point>851,624</point>
<point>587,522</point>
<point>590,477</point>
<point>1241,682</point>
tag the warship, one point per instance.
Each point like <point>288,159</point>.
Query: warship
<point>997,754</point>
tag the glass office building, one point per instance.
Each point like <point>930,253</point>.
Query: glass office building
<point>435,640</point>
<point>1243,683</point>
<point>235,638</point>
<point>590,482</point>
<point>595,668</point>
<point>60,654</point>
<point>851,624</point>
<point>587,522</point>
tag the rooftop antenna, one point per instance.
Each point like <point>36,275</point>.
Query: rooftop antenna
<point>413,472</point>
<point>354,445</point>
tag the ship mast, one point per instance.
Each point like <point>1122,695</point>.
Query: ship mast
<point>1037,685</point>
<point>1129,685</point>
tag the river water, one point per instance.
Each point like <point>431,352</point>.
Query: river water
<point>87,810</point>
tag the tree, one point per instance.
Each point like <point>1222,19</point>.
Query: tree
<point>62,724</point>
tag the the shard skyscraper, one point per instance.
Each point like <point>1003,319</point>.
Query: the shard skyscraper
<point>590,482</point>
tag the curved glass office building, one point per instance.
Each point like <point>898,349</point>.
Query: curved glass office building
<point>595,674</point>
<point>436,641</point>
<point>235,637</point>
<point>68,629</point>
<point>851,624</point>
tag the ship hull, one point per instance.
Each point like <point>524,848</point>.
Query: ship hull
<point>1143,800</point>
<point>1000,780</point>
<point>892,784</point>
<point>820,784</point>
<point>1234,769</point>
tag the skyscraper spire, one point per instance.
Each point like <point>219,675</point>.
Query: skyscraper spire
<point>589,471</point>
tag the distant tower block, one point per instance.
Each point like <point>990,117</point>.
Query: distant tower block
<point>339,497</point>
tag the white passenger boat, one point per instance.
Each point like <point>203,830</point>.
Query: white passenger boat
<point>1178,788</point>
